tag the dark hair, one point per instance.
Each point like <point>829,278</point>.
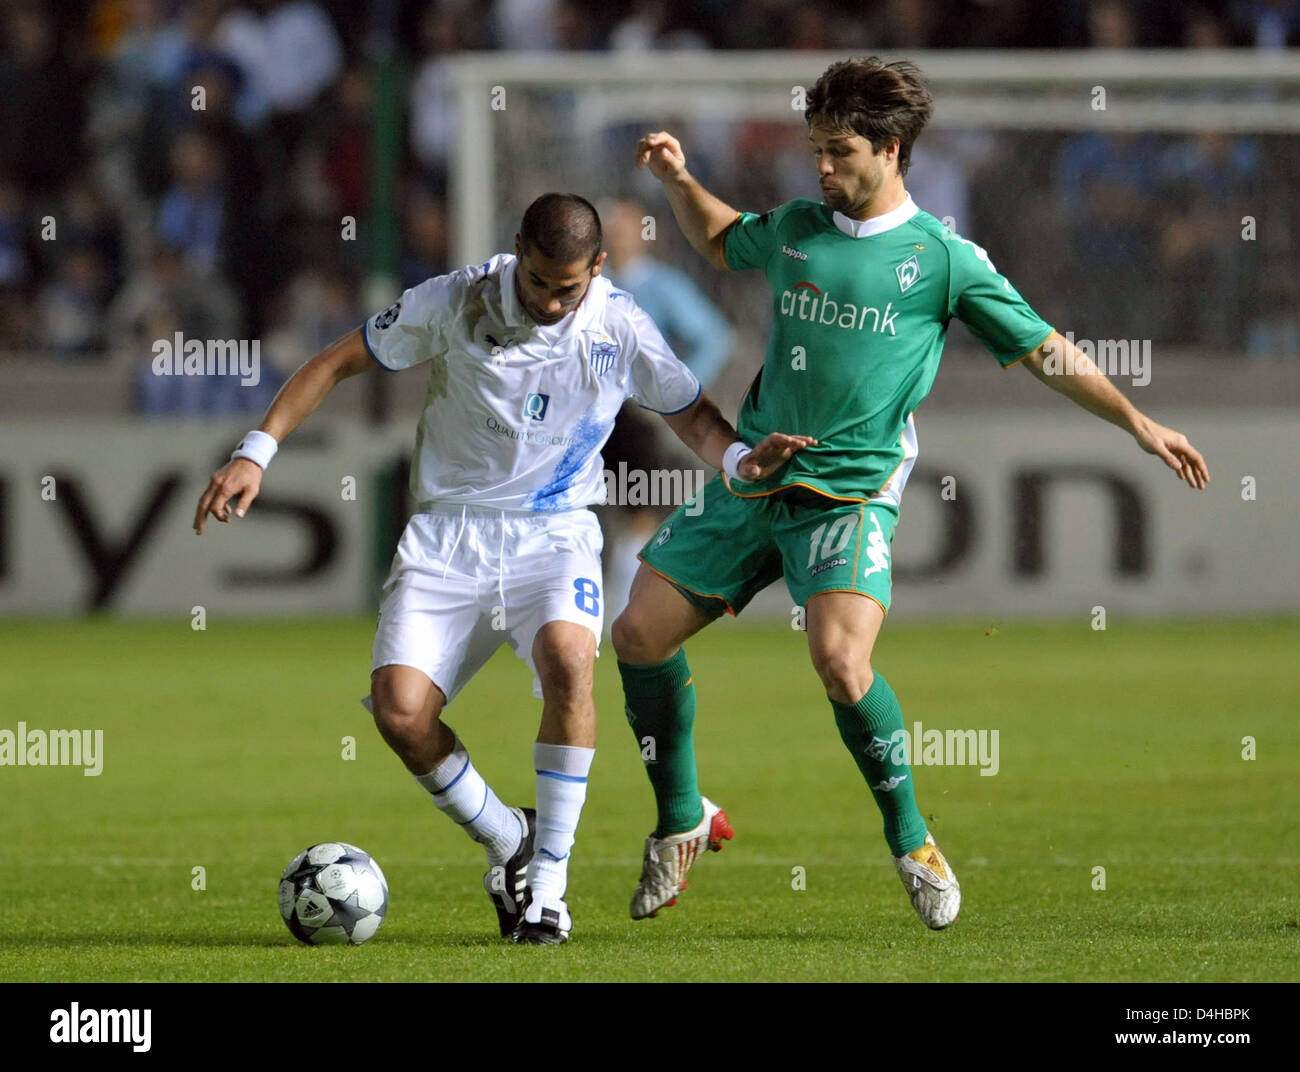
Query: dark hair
<point>877,100</point>
<point>562,227</point>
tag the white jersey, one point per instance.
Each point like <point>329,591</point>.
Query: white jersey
<point>515,413</point>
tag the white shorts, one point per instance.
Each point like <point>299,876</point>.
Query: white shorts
<point>465,579</point>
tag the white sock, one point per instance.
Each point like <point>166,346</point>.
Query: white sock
<point>561,791</point>
<point>460,792</point>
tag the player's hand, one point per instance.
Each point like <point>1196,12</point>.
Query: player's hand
<point>1178,454</point>
<point>241,479</point>
<point>662,153</point>
<point>772,453</point>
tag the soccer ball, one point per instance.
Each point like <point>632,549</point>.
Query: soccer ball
<point>333,893</point>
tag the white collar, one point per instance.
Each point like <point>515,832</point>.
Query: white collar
<point>877,224</point>
<point>511,310</point>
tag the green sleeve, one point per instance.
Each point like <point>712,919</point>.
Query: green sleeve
<point>986,302</point>
<point>749,241</point>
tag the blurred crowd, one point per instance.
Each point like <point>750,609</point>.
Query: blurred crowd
<point>190,165</point>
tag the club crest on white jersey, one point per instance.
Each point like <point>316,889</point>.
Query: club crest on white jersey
<point>603,355</point>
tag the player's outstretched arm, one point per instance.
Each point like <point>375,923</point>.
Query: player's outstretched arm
<point>700,215</point>
<point>306,389</point>
<point>706,431</point>
<point>1065,369</point>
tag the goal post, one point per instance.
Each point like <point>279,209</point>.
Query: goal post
<point>517,113</point>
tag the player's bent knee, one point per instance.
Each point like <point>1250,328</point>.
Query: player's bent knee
<point>402,728</point>
<point>404,703</point>
<point>633,641</point>
<point>622,634</point>
<point>845,677</point>
<point>567,663</point>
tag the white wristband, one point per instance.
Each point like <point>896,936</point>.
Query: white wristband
<point>256,446</point>
<point>732,458</point>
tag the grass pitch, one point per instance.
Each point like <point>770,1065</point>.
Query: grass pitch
<point>1120,750</point>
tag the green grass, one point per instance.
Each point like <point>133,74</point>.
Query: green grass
<point>1119,749</point>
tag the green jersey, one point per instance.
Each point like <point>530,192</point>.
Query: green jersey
<point>860,311</point>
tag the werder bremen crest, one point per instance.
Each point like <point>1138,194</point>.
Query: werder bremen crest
<point>908,273</point>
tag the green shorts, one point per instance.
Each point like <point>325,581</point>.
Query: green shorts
<point>720,550</point>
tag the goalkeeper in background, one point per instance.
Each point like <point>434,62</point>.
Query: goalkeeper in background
<point>863,286</point>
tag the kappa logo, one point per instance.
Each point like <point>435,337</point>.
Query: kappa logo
<point>878,749</point>
<point>877,549</point>
<point>797,254</point>
<point>908,273</point>
<point>888,785</point>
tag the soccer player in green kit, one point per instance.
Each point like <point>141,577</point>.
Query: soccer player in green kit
<point>863,286</point>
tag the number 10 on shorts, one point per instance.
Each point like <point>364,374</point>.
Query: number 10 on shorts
<point>837,537</point>
<point>586,596</point>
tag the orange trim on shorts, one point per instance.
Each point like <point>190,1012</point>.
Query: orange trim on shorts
<point>1031,352</point>
<point>688,680</point>
<point>826,494</point>
<point>855,592</point>
<point>673,580</point>
<point>857,544</point>
<point>783,487</point>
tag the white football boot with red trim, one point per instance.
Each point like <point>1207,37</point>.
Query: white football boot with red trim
<point>669,859</point>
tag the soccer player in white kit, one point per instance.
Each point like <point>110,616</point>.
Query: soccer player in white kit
<point>531,356</point>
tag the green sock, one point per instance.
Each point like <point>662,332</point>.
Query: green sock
<point>661,711</point>
<point>867,728</point>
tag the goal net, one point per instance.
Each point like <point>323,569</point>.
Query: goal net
<point>1118,190</point>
